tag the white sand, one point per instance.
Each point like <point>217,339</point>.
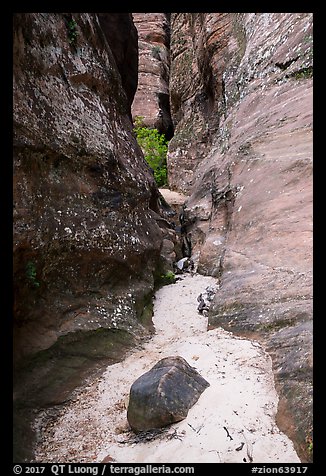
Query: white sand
<point>241,400</point>
<point>172,197</point>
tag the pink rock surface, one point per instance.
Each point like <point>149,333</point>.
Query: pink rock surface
<point>151,101</point>
<point>243,151</point>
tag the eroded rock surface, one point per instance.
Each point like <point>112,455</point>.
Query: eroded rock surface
<point>151,101</point>
<point>242,150</point>
<point>86,237</point>
<point>85,241</point>
<point>121,35</point>
<point>88,224</point>
<point>164,394</point>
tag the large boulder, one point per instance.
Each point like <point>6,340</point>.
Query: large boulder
<point>164,394</point>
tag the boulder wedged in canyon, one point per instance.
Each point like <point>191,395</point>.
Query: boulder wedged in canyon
<point>151,100</point>
<point>242,150</point>
<point>87,218</point>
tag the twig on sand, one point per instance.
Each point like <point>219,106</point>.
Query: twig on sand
<point>192,427</point>
<point>218,454</point>
<point>249,453</point>
<point>227,433</point>
<point>201,426</point>
<point>255,344</point>
<point>239,448</point>
<point>198,429</point>
<point>248,447</point>
<point>175,435</point>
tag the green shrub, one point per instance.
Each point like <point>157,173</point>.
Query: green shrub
<point>72,31</point>
<point>310,445</point>
<point>154,146</point>
<point>31,274</point>
<point>167,278</point>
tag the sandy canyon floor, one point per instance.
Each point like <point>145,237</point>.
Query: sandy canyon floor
<point>233,420</point>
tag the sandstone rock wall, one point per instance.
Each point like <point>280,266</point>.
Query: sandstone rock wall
<point>122,37</point>
<point>243,151</point>
<point>88,228</point>
<point>152,97</point>
<point>86,241</point>
<point>199,54</point>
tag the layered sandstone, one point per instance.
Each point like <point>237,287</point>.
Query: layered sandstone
<point>151,101</point>
<point>243,150</point>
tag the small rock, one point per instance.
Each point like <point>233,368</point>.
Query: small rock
<point>183,264</point>
<point>202,305</point>
<point>122,428</point>
<point>107,459</point>
<point>210,291</point>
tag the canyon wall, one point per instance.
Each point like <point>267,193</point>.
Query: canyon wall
<point>89,227</point>
<point>86,240</point>
<point>151,100</point>
<point>241,102</point>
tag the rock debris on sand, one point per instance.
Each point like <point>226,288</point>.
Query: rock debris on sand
<point>233,420</point>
